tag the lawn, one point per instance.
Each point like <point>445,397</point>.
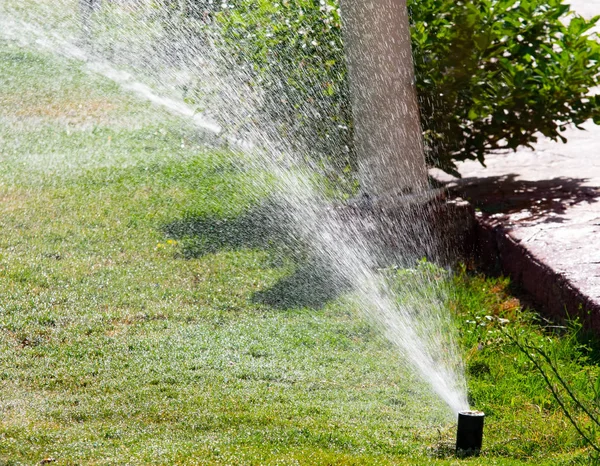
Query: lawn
<point>122,342</point>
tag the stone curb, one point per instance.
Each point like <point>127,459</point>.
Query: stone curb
<point>496,250</point>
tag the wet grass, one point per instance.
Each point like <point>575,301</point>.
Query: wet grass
<point>135,328</point>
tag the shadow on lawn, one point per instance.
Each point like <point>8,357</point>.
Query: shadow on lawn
<point>203,235</point>
<point>312,283</point>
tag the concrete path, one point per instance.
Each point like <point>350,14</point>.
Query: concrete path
<point>540,215</point>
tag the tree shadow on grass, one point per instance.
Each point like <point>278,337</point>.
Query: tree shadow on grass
<point>255,229</point>
<point>311,284</point>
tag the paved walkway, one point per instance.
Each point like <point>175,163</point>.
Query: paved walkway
<point>540,210</point>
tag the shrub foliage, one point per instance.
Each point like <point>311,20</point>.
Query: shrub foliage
<point>491,74</point>
<point>296,51</point>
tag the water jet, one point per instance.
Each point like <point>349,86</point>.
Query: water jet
<point>397,203</point>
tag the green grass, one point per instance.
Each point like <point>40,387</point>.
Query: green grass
<point>122,343</point>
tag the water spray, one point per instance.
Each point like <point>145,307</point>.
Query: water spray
<point>396,223</point>
<point>469,435</point>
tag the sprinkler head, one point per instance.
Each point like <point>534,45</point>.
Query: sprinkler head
<point>469,434</point>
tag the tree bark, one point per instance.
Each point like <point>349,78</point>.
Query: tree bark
<point>388,134</point>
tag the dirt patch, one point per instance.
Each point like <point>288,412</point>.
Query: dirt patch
<point>13,200</point>
<point>74,112</point>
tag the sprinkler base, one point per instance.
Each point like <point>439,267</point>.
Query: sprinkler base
<point>469,435</point>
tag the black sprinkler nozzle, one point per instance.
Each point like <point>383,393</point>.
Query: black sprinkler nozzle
<point>469,436</point>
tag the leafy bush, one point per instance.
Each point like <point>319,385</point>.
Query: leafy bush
<point>296,52</point>
<point>202,10</point>
<point>491,74</point>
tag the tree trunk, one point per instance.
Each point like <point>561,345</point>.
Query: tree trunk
<point>388,135</point>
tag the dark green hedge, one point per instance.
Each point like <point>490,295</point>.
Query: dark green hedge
<point>491,74</point>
